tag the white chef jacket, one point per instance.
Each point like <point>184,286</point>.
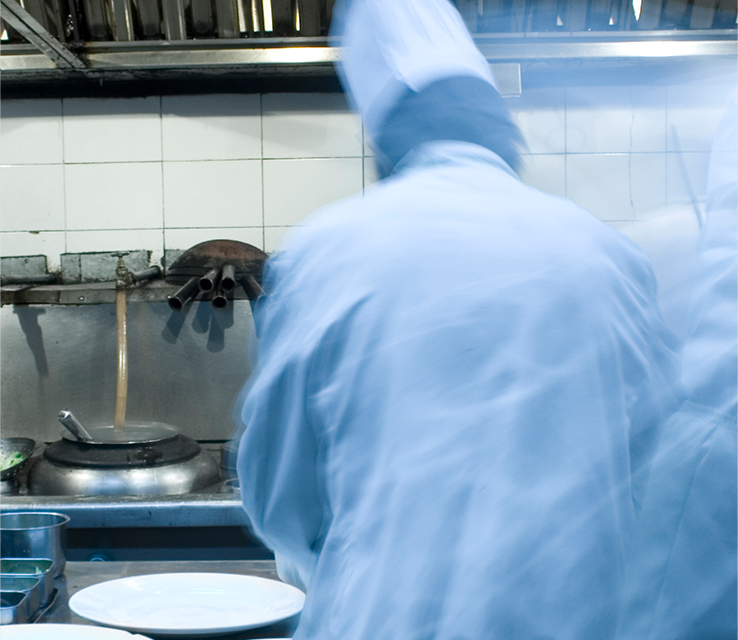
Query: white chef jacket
<point>461,379</point>
<point>682,571</point>
<point>459,391</point>
<point>710,365</point>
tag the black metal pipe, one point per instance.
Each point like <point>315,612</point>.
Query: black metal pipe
<point>183,295</point>
<point>220,299</point>
<point>41,278</point>
<point>209,280</point>
<point>250,286</point>
<point>228,277</point>
<point>146,274</point>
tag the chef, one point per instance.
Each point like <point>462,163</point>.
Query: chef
<point>682,574</point>
<point>461,379</point>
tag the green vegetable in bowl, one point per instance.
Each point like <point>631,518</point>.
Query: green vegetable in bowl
<point>11,460</point>
<point>24,567</point>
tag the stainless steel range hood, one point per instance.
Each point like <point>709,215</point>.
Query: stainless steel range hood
<point>105,38</point>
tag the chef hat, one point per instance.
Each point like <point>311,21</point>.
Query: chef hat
<point>414,73</point>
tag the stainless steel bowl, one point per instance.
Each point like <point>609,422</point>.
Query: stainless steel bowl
<point>39,568</point>
<point>13,607</point>
<point>29,586</point>
<point>35,534</point>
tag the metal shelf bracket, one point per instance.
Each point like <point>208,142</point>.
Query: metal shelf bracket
<point>23,22</point>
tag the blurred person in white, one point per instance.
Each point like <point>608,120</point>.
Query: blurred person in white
<point>460,380</point>
<point>682,575</point>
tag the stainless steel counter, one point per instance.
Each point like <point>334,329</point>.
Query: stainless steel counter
<point>91,512</point>
<point>193,526</point>
<point>79,575</point>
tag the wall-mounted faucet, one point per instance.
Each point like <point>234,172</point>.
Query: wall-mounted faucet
<point>124,278</point>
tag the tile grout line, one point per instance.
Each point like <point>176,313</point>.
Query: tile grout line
<point>630,151</point>
<point>106,229</point>
<point>163,204</point>
<point>116,162</point>
<point>363,159</point>
<point>64,178</point>
<point>666,147</point>
<point>566,142</point>
<point>358,157</point>
<point>263,195</point>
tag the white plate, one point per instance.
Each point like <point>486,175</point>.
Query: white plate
<point>188,603</point>
<point>64,632</point>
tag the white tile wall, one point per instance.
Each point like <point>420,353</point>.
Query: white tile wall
<point>121,195</point>
<point>310,126</point>
<point>185,238</point>
<point>616,186</point>
<point>615,119</point>
<point>295,188</point>
<point>225,127</point>
<point>273,236</point>
<point>112,130</point>
<point>32,197</point>
<point>212,194</point>
<point>694,111</point>
<point>30,243</point>
<point>31,132</point>
<point>541,116</point>
<point>168,172</point>
<point>122,239</point>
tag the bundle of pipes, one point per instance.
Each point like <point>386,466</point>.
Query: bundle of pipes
<point>221,282</point>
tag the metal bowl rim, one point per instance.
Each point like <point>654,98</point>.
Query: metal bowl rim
<point>64,520</point>
<point>36,575</point>
<point>166,432</point>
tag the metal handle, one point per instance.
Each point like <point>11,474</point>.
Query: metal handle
<point>74,426</point>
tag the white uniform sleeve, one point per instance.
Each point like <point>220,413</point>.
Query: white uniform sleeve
<point>278,452</point>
